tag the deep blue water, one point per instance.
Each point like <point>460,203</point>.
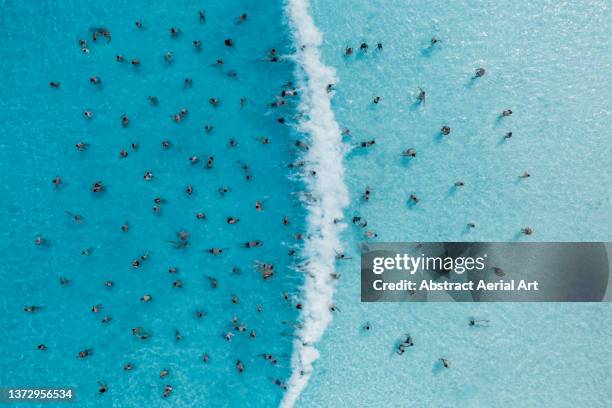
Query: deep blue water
<point>41,125</point>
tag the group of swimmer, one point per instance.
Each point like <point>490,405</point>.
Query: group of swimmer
<point>411,153</point>
<point>236,326</point>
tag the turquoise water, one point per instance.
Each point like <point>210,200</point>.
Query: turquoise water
<point>548,62</point>
<point>41,125</point>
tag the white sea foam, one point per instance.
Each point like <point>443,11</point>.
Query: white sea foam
<point>329,194</point>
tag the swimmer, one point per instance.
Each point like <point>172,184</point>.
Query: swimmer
<point>233,142</point>
<point>103,387</point>
<point>479,73</point>
<point>363,47</point>
<point>109,284</point>
<point>106,319</point>
<point>148,176</point>
<point>379,46</point>
<point>527,231</point>
<point>285,220</point>
<point>96,308</point>
<point>232,220</point>
<point>414,198</point>
<point>197,44</point>
<point>153,100</point>
<point>64,281</point>
<point>235,300</point>
<point>88,114</point>
<point>366,194</point>
<point>208,128</point>
<point>82,146</point>
<point>123,153</point>
<point>209,162</point>
<point>199,314</point>
<point>241,18</point>
<point>506,113</point>
<point>474,322</point>
<point>174,32</point>
<point>368,143</point>
<point>177,335</point>
<point>78,218</point>
<point>213,282</point>
<point>205,358</point>
<point>146,298</point>
<point>54,84</point>
<point>433,41</point>
<point>258,205</point>
<point>125,227</point>
<point>445,362</point>
<point>57,181</point>
<point>85,353</point>
<point>167,391</point>
<point>32,309</point>
<point>508,135</point>
<point>499,271</point>
<point>348,51</point>
<point>409,153</point>
<point>445,130</point>
<point>471,225</point>
<point>41,347</point>
<point>525,174</point>
<point>459,183</point>
<point>367,326</point>
<point>119,58</point>
<point>187,83</point>
<point>166,144</point>
<point>98,187</point>
<point>202,16</point>
<point>421,96</point>
<point>253,244</point>
<point>214,102</point>
<point>125,121</point>
<point>168,57</point>
<point>128,367</point>
<point>229,42</point>
<point>164,373</point>
<point>239,366</point>
<point>139,24</point>
<point>228,336</point>
<point>360,222</point>
<point>376,100</point>
<point>215,251</point>
<point>95,80</point>
<point>177,284</point>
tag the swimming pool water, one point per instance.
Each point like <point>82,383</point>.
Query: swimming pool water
<point>545,60</point>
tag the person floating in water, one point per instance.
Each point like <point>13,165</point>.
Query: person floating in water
<point>479,73</point>
<point>445,362</point>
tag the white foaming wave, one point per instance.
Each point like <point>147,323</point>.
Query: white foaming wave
<point>328,192</point>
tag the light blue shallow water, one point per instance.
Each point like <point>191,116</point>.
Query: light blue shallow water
<point>39,44</point>
<point>549,63</point>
